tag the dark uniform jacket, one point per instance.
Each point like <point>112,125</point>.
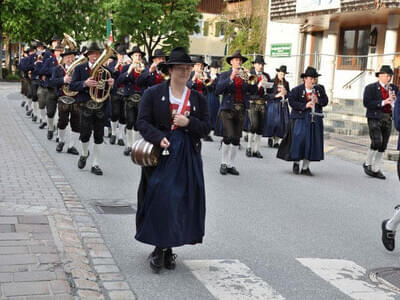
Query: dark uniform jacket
<point>298,101</point>
<point>194,86</point>
<point>274,90</point>
<point>46,70</point>
<point>57,79</point>
<point>254,91</point>
<point>226,88</point>
<point>146,79</point>
<point>128,80</point>
<point>154,119</point>
<point>372,99</point>
<point>80,75</point>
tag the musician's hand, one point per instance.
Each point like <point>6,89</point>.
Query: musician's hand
<point>181,120</point>
<point>164,143</point>
<point>235,72</point>
<point>117,66</point>
<point>67,79</point>
<point>153,68</point>
<point>110,81</point>
<point>283,91</point>
<point>90,82</point>
<point>309,104</point>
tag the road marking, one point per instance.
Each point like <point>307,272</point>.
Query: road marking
<point>231,279</point>
<point>348,277</point>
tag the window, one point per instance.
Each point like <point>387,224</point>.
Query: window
<point>200,33</point>
<point>205,28</point>
<point>219,29</point>
<point>353,42</point>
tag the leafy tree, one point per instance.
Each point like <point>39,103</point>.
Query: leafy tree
<point>157,23</point>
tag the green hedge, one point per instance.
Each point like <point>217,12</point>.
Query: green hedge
<point>5,72</point>
<point>12,77</point>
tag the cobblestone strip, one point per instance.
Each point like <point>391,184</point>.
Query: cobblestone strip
<point>87,260</point>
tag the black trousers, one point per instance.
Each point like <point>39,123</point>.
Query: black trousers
<point>379,132</point>
<point>257,118</point>
<point>51,102</point>
<point>117,109</point>
<point>131,113</point>
<point>68,113</point>
<point>34,89</point>
<point>144,179</point>
<point>92,120</point>
<point>232,124</point>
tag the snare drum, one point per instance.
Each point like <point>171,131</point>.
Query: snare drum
<point>145,154</point>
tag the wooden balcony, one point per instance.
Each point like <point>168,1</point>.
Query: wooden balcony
<point>239,9</point>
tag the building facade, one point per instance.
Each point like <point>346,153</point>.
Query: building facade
<point>346,40</point>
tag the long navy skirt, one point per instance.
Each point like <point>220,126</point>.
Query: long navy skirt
<point>307,139</point>
<point>276,119</point>
<point>213,108</point>
<point>173,213</point>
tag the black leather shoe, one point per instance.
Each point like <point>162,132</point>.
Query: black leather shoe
<point>121,142</point>
<point>23,103</point>
<point>296,168</point>
<point>270,142</point>
<point>50,134</point>
<point>72,151</point>
<point>156,259</point>
<point>306,172</point>
<point>169,259</point>
<point>388,237</point>
<point>29,112</point>
<point>368,170</point>
<point>257,154</point>
<point>208,139</point>
<point>42,125</point>
<point>57,139</point>
<point>248,152</point>
<point>96,170</point>
<point>276,145</point>
<point>60,147</point>
<point>379,175</point>
<point>113,138</point>
<point>233,171</point>
<point>223,169</point>
<point>82,161</point>
<point>127,151</point>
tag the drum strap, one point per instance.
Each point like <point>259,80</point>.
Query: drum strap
<point>183,106</point>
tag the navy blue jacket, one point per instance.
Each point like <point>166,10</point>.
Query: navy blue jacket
<point>154,118</point>
<point>298,101</point>
<point>274,90</point>
<point>24,65</point>
<point>372,99</point>
<point>46,70</point>
<point>146,79</point>
<point>226,88</point>
<point>114,74</point>
<point>254,90</point>
<point>80,75</point>
<point>57,79</point>
<point>37,65</point>
<point>128,80</point>
<point>193,85</point>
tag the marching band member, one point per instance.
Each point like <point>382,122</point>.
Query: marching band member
<point>232,111</point>
<point>152,75</point>
<point>68,108</point>
<point>172,116</point>
<point>117,100</point>
<point>305,137</point>
<point>37,62</point>
<point>378,99</point>
<point>24,66</point>
<point>256,113</point>
<point>212,98</point>
<point>198,77</point>
<point>132,95</point>
<point>92,114</point>
<point>277,117</point>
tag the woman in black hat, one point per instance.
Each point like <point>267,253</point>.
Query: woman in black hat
<point>277,119</point>
<point>235,101</point>
<point>171,196</point>
<point>305,137</point>
<point>378,100</point>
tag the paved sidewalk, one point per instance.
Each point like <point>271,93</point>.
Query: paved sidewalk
<point>50,247</point>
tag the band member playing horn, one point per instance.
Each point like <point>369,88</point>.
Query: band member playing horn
<point>233,86</point>
<point>68,107</point>
<point>212,98</point>
<point>92,113</point>
<point>117,100</point>
<point>305,137</point>
<point>258,96</point>
<point>152,75</point>
<point>171,196</point>
<point>132,95</point>
<point>378,99</point>
<point>199,78</point>
<point>277,117</point>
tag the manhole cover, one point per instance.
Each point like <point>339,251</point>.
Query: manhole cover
<point>114,207</point>
<point>388,278</point>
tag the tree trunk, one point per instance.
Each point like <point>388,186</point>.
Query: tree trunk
<point>8,54</point>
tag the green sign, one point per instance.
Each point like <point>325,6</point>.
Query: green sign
<point>281,50</point>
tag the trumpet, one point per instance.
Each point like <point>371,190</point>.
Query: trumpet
<point>203,77</point>
<point>138,67</point>
<point>247,76</point>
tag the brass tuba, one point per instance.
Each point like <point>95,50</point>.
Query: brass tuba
<point>101,91</point>
<point>65,88</point>
<point>69,42</point>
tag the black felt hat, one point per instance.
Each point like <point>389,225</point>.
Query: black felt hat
<point>178,56</point>
<point>92,48</point>
<point>283,69</point>
<point>56,38</point>
<point>68,51</point>
<point>39,44</point>
<point>158,53</point>
<point>121,49</point>
<point>136,49</point>
<point>310,72</point>
<point>236,54</point>
<point>198,59</point>
<point>214,64</point>
<point>259,60</point>
<point>385,69</point>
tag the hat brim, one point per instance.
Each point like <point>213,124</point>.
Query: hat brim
<point>389,73</point>
<point>90,51</point>
<point>69,53</point>
<point>131,52</point>
<point>257,62</point>
<point>303,75</point>
<point>228,59</point>
<point>163,67</point>
<point>278,70</point>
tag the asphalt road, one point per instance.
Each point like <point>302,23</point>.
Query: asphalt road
<point>266,218</point>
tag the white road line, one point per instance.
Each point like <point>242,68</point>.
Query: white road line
<point>347,276</point>
<point>231,279</point>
